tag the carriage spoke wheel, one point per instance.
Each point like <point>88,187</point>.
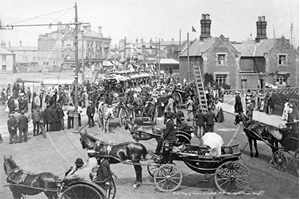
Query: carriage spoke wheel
<point>280,160</point>
<point>152,169</point>
<point>81,191</point>
<point>232,177</point>
<point>111,190</point>
<point>168,178</point>
<point>296,161</point>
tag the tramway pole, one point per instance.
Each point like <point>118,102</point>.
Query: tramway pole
<point>76,72</point>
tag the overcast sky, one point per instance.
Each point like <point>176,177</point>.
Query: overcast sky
<point>147,19</point>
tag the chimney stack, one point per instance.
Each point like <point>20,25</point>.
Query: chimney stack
<point>261,28</point>
<point>89,27</point>
<point>20,43</point>
<point>100,30</point>
<point>205,23</point>
<point>3,44</point>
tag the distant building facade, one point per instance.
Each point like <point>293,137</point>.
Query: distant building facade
<point>242,65</point>
<point>26,56</point>
<point>57,49</point>
<point>7,61</point>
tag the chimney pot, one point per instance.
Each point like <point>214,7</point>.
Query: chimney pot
<point>20,43</point>
<point>203,16</point>
<point>263,18</point>
<point>207,16</point>
<point>259,18</point>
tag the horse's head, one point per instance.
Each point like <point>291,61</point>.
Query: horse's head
<point>87,141</point>
<point>9,165</point>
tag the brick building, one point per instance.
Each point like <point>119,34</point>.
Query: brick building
<point>242,65</point>
<point>56,49</point>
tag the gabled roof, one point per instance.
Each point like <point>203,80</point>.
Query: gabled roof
<point>198,47</point>
<point>5,52</point>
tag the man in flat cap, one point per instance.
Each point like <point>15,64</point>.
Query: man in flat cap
<point>12,125</point>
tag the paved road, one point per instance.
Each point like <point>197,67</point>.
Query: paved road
<point>59,150</point>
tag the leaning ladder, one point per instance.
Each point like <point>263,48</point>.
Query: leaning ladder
<point>200,88</point>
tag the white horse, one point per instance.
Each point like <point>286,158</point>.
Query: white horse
<point>107,114</point>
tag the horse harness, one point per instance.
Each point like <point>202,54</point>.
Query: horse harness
<point>107,146</point>
<point>16,170</point>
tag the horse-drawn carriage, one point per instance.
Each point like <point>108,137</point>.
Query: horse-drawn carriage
<point>22,183</point>
<point>288,137</point>
<point>230,174</point>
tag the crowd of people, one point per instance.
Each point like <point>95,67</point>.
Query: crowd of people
<point>263,102</point>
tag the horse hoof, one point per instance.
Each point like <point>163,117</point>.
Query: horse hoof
<point>256,156</point>
<point>251,155</point>
<point>136,185</point>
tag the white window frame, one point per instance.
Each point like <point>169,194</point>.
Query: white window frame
<point>224,60</point>
<point>279,56</point>
<point>223,73</point>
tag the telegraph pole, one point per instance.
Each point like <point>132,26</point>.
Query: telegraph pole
<point>188,57</point>
<point>82,57</point>
<point>76,71</point>
<point>159,59</point>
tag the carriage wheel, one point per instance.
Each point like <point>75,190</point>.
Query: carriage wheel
<point>111,190</point>
<point>280,160</point>
<point>152,169</point>
<point>82,191</point>
<point>168,178</point>
<point>296,161</point>
<point>231,177</point>
<point>182,140</point>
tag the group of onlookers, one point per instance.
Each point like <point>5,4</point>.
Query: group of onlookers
<point>263,102</point>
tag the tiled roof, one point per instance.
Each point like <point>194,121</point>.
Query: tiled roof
<point>23,48</point>
<point>246,48</point>
<point>168,61</point>
<point>198,47</point>
<point>264,47</point>
<point>5,52</point>
<point>251,49</point>
<point>167,43</point>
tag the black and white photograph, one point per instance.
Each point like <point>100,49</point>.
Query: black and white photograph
<point>132,99</point>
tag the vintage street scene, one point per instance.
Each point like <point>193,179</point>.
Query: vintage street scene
<point>127,99</point>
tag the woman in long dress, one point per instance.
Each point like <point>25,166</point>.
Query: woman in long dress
<point>285,111</point>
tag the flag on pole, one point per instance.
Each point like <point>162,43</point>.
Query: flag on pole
<point>193,29</point>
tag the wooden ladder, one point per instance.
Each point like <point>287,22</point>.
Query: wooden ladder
<point>200,89</point>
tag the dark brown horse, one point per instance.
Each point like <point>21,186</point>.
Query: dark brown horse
<point>23,183</point>
<point>117,153</point>
<point>254,130</point>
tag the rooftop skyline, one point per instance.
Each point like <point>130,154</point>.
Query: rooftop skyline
<point>136,19</point>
